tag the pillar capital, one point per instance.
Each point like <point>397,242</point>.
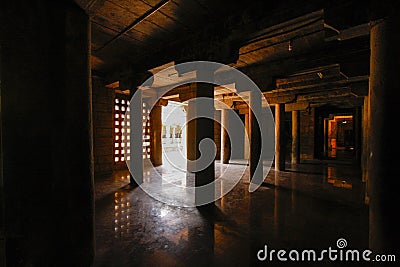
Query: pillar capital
<point>162,102</point>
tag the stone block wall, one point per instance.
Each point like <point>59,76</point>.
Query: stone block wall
<point>103,128</point>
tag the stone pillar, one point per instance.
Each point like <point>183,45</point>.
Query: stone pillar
<point>383,138</point>
<point>2,226</point>
<point>326,133</point>
<point>204,130</point>
<point>365,147</point>
<point>218,133</point>
<point>365,141</point>
<point>136,137</point>
<point>46,110</point>
<point>247,140</point>
<point>280,137</point>
<point>295,137</point>
<point>156,128</point>
<point>357,135</point>
<point>173,132</point>
<point>255,137</point>
<point>168,132</point>
<point>225,142</point>
<point>191,134</point>
<point>198,129</point>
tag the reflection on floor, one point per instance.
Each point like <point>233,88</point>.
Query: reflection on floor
<point>342,154</point>
<point>109,184</point>
<point>134,229</point>
<point>326,181</point>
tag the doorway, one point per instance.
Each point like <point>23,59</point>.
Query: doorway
<point>173,135</point>
<point>339,136</point>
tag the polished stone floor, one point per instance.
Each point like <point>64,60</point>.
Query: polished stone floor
<point>133,229</point>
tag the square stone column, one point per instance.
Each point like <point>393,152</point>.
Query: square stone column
<point>200,126</point>
<point>280,142</point>
<point>156,142</point>
<point>295,137</point>
<point>384,88</point>
<point>256,171</point>
<point>225,141</point>
<point>136,137</point>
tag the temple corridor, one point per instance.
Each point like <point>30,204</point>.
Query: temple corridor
<point>199,133</point>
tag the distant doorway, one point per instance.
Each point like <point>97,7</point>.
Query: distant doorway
<point>174,135</point>
<point>340,137</point>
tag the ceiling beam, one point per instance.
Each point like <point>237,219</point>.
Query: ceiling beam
<point>134,23</point>
<point>331,53</point>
